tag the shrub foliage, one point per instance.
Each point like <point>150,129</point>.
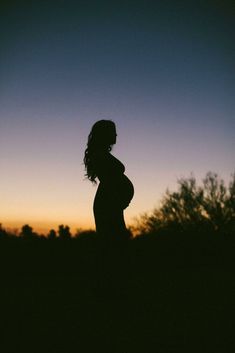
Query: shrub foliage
<point>210,206</point>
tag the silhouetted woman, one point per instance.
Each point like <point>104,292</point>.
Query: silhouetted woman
<point>115,190</point>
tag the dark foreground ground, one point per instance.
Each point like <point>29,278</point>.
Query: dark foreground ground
<point>148,295</point>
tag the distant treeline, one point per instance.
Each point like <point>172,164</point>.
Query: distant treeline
<point>193,208</point>
<point>63,232</point>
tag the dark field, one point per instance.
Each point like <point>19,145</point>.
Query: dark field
<point>165,294</point>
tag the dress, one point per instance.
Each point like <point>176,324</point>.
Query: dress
<point>114,193</point>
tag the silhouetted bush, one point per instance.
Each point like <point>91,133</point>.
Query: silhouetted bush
<point>64,232</point>
<point>85,234</point>
<point>210,207</point>
<point>27,232</point>
<point>3,232</point>
<point>52,234</point>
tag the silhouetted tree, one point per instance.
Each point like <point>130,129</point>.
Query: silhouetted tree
<point>52,234</point>
<point>64,232</point>
<point>85,233</point>
<point>217,199</point>
<point>3,233</point>
<point>230,206</point>
<point>27,232</point>
<point>210,207</point>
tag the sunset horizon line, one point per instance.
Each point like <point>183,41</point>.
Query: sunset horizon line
<point>43,228</point>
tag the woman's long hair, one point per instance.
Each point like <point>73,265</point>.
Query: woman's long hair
<point>100,140</point>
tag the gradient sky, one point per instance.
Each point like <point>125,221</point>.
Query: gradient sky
<point>163,71</point>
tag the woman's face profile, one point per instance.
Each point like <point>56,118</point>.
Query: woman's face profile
<point>113,136</point>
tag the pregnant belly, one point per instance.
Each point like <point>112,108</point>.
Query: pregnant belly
<point>125,190</point>
<point>118,192</point>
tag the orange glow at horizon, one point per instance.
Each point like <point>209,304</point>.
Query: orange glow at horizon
<point>44,227</point>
